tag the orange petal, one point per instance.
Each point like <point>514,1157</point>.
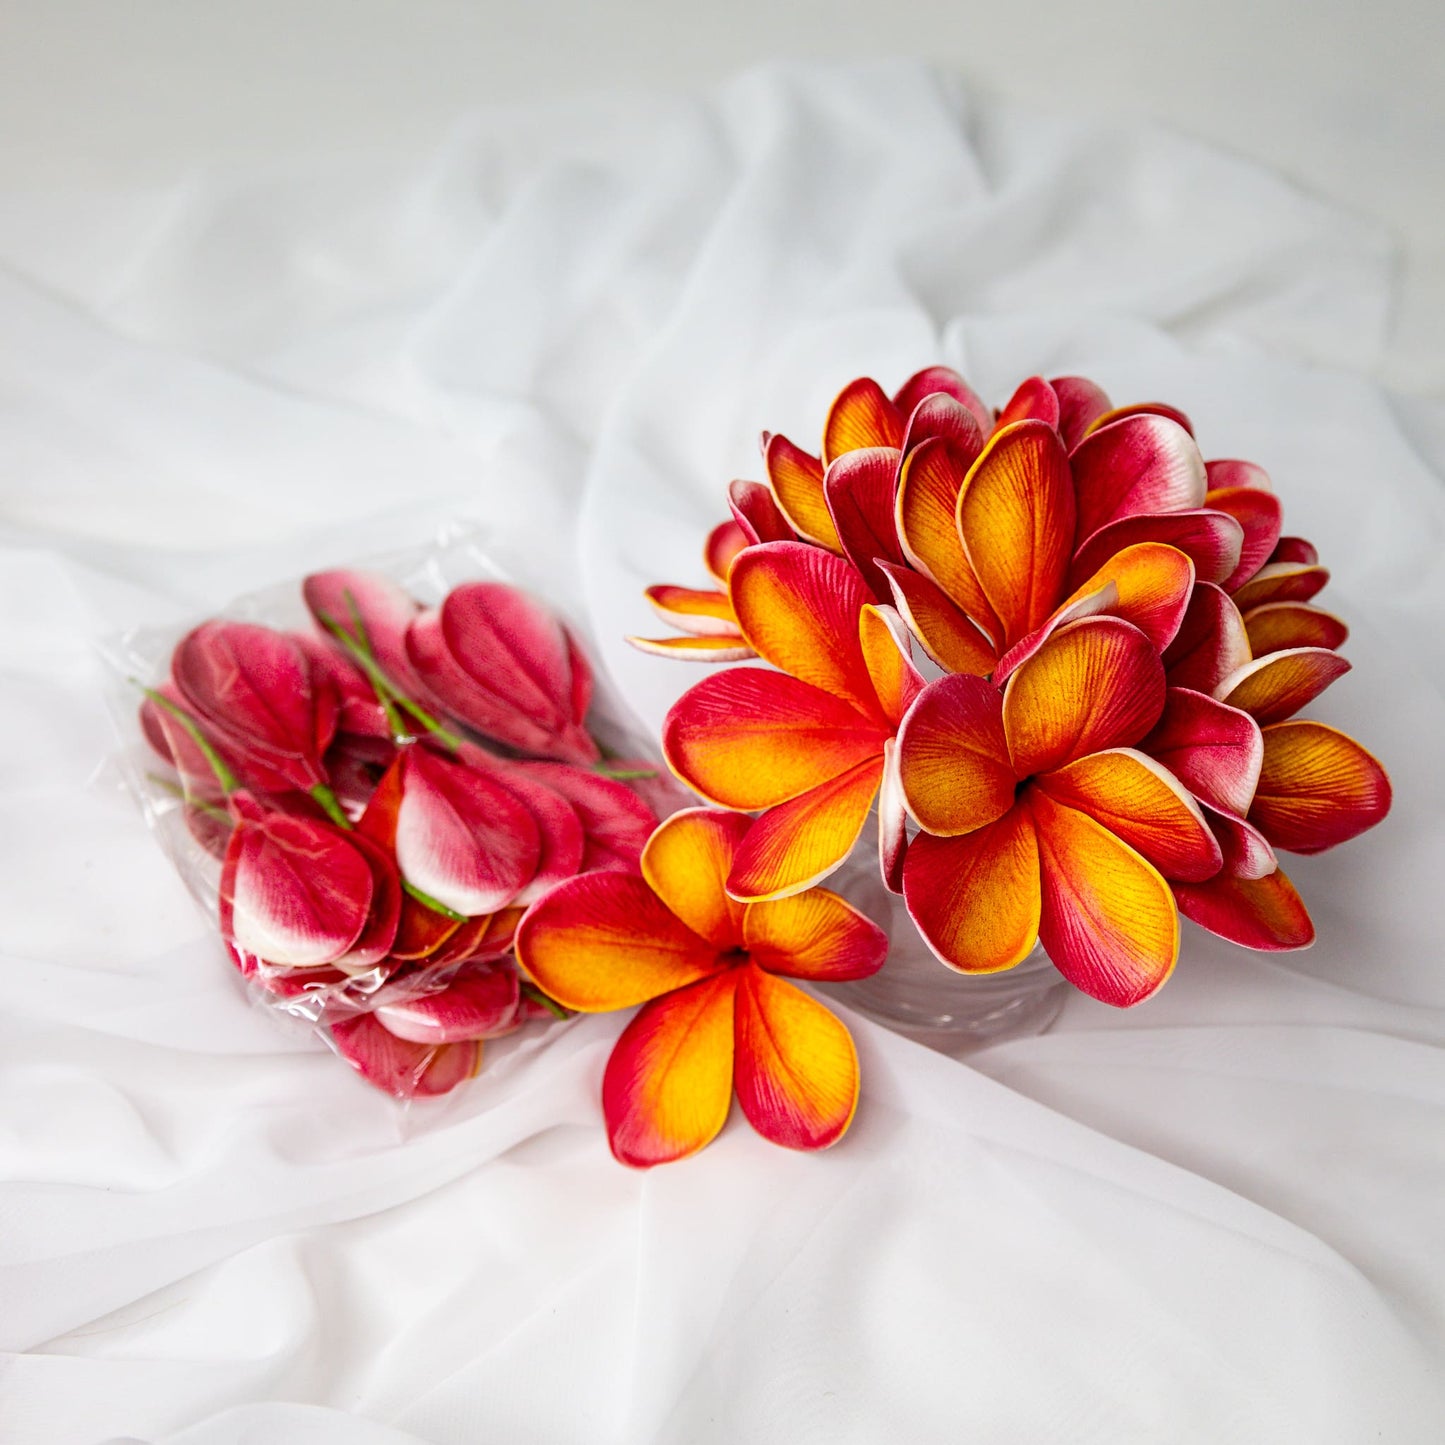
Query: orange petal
<point>861,416</point>
<point>1142,408</point>
<point>705,614</point>
<point>1108,919</point>
<point>750,738</point>
<point>795,844</point>
<point>859,489</point>
<point>953,757</point>
<point>1260,514</point>
<point>1278,686</point>
<point>1281,582</point>
<point>1211,642</point>
<point>1211,540</point>
<point>756,514</point>
<point>1214,750</point>
<point>975,899</point>
<point>1140,465</point>
<point>1016,518</point>
<point>686,863</point>
<point>669,1082</point>
<point>1154,584</point>
<point>948,635</point>
<point>798,608</point>
<point>888,655</point>
<point>1317,787</point>
<point>606,941</point>
<point>797,482</point>
<point>1094,684</point>
<point>1081,403</point>
<point>695,649</point>
<point>1143,803</point>
<point>814,934</point>
<point>1035,400</point>
<point>724,543</point>
<point>1275,626</point>
<point>926,519</point>
<point>796,1073</point>
<point>1262,913</point>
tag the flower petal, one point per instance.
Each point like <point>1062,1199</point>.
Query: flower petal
<point>1279,685</point>
<point>1211,642</point>
<point>1154,583</point>
<point>926,520</point>
<point>616,821</point>
<point>1261,516</point>
<point>749,738</point>
<point>934,379</point>
<point>1108,919</point>
<point>975,899</point>
<point>704,613</point>
<point>1275,626</point>
<point>1231,472</point>
<point>757,515</point>
<point>1211,540</point>
<point>1142,408</point>
<point>1281,582</point>
<point>953,757</point>
<point>859,488</point>
<point>943,416</point>
<point>1261,913</point>
<point>1081,403</point>
<point>796,844</point>
<point>1144,463</point>
<point>420,931</point>
<point>1317,787</point>
<point>796,478</point>
<point>687,861</point>
<point>403,1069</point>
<point>373,610</point>
<point>695,649</point>
<point>1214,750</point>
<point>1245,850</point>
<point>668,1084</point>
<point>1142,803</point>
<point>1094,684</point>
<point>1035,400</point>
<point>1016,518</point>
<point>726,540</point>
<point>1102,599</point>
<point>798,608</point>
<point>815,935</point>
<point>1295,549</point>
<point>562,838</point>
<point>888,656</point>
<point>947,634</point>
<point>461,837</point>
<point>861,416</point>
<point>796,1070</point>
<point>892,821</point>
<point>476,1006</point>
<point>606,941</point>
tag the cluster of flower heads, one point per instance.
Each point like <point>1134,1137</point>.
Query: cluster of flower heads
<point>1124,637</point>
<point>386,794</point>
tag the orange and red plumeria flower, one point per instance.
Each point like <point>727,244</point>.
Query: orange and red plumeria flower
<point>718,1015</point>
<point>996,538</point>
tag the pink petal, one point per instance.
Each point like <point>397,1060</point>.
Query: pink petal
<point>1081,403</point>
<point>1140,465</point>
<point>940,415</point>
<point>1213,749</point>
<point>757,513</point>
<point>1261,913</point>
<point>399,1067</point>
<point>1211,540</point>
<point>859,489</point>
<point>1211,642</point>
<point>616,823</point>
<point>1295,549</point>
<point>933,380</point>
<point>1229,472</point>
<point>1245,850</point>
<point>477,1005</point>
<point>724,543</point>
<point>374,605</point>
<point>1035,400</point>
<point>1261,516</point>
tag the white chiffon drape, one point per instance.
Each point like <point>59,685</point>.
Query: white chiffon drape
<point>1218,1217</point>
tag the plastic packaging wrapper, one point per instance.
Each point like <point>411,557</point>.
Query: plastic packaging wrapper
<point>365,776</point>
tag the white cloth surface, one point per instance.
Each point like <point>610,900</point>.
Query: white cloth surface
<point>1219,1217</point>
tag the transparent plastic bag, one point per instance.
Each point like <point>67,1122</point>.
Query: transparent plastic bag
<point>317,891</point>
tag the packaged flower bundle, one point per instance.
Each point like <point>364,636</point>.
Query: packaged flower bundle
<point>367,793</point>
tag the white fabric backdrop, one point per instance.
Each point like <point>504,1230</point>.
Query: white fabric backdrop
<point>1216,1218</point>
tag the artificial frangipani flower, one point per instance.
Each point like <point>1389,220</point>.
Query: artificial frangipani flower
<point>1120,639</point>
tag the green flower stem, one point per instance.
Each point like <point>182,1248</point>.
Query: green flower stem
<point>176,791</point>
<point>224,776</point>
<point>333,810</point>
<point>531,991</point>
<point>435,904</point>
<point>623,775</point>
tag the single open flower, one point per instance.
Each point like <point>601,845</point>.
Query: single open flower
<point>1043,821</point>
<point>806,744</point>
<point>718,1015</point>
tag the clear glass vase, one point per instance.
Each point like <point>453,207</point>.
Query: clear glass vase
<point>917,995</point>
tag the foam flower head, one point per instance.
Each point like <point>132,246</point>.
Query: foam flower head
<point>718,1014</point>
<point>807,744</point>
